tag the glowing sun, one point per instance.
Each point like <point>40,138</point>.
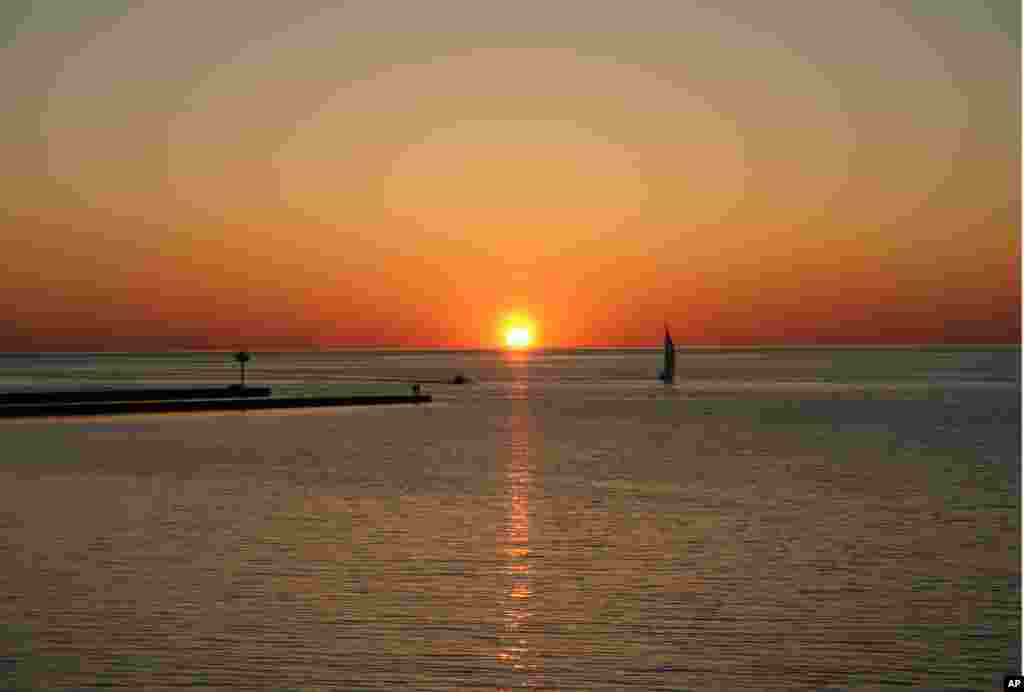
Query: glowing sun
<point>518,337</point>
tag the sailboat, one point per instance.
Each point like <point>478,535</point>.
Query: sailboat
<point>668,373</point>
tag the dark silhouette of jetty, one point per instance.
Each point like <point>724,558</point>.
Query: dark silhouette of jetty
<point>106,395</point>
<point>233,398</point>
<point>236,397</point>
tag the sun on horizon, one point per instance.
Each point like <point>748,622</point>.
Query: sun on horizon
<point>518,337</point>
<point>517,331</point>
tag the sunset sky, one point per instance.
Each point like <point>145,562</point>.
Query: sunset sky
<point>191,174</point>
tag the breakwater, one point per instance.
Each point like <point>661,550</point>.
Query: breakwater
<point>147,394</point>
<point>94,408</point>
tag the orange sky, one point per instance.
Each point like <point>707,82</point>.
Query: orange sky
<point>181,177</point>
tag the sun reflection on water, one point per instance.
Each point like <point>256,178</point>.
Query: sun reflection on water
<point>516,647</point>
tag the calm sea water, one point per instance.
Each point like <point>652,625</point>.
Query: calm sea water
<point>777,520</point>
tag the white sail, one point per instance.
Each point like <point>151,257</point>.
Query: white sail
<point>668,374</point>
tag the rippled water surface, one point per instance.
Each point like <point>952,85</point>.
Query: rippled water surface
<point>777,520</point>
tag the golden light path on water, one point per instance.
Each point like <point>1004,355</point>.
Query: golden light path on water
<point>516,648</point>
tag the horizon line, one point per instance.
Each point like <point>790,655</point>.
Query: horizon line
<point>538,349</point>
